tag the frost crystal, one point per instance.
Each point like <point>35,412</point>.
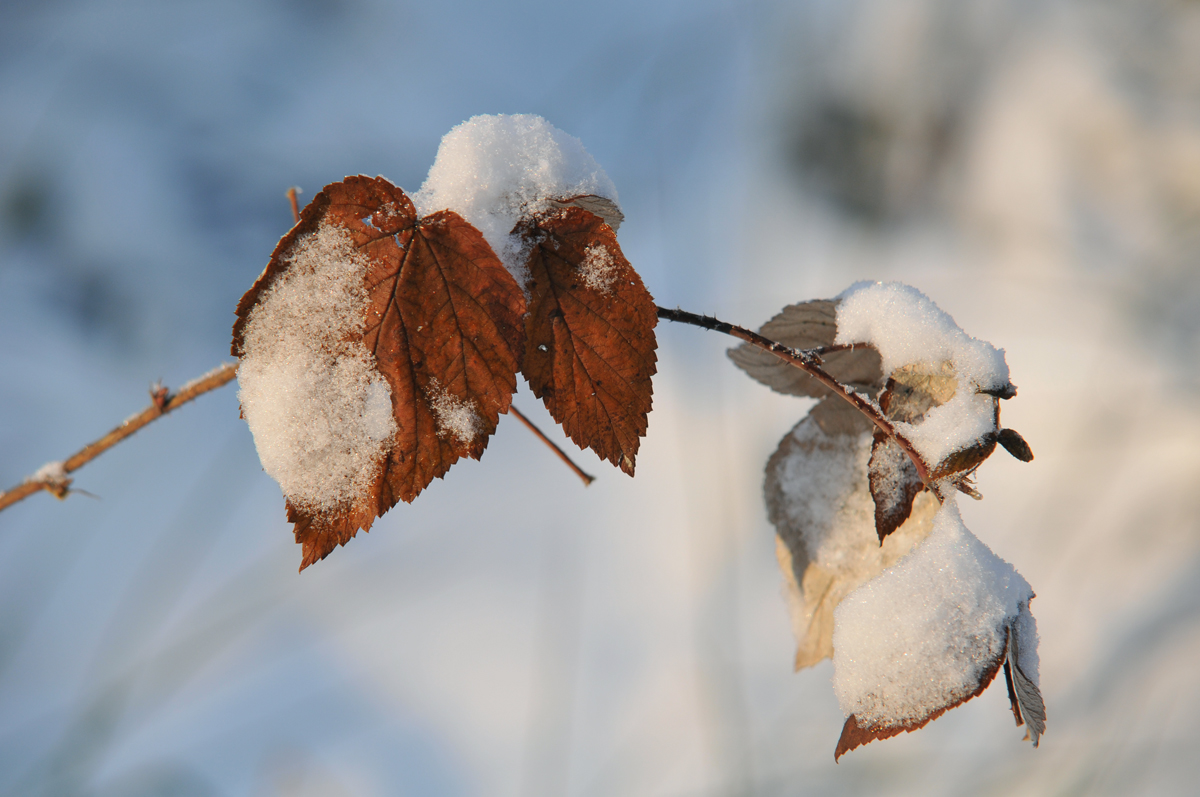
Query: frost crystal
<point>492,170</point>
<point>920,637</point>
<point>320,411</point>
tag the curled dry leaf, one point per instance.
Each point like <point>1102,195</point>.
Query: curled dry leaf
<point>439,320</point>
<point>590,345</point>
<point>601,206</point>
<point>808,325</point>
<point>918,614</point>
<point>1023,693</point>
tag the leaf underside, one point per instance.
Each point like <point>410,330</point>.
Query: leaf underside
<point>808,325</point>
<point>589,345</point>
<point>1023,694</point>
<point>443,320</point>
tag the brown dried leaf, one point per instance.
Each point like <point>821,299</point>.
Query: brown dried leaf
<point>808,325</point>
<point>855,735</point>
<point>443,321</point>
<point>963,462</point>
<point>894,484</point>
<point>589,349</point>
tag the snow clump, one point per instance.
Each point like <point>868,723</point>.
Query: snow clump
<point>907,328</point>
<point>599,268</point>
<point>319,409</point>
<point>492,170</point>
<point>919,637</point>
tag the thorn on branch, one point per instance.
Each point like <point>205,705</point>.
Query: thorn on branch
<point>159,395</point>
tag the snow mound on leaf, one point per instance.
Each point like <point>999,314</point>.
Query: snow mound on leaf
<point>921,636</point>
<point>492,170</point>
<point>907,328</point>
<point>455,417</point>
<point>320,411</point>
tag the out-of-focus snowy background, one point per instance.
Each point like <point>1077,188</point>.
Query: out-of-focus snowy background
<point>1033,167</point>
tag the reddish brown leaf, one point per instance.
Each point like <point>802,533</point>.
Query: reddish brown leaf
<point>443,321</point>
<point>589,348</point>
<point>855,735</point>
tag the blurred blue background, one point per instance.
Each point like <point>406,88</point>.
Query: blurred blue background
<point>1034,168</point>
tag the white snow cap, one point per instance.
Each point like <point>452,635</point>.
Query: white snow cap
<point>492,170</point>
<point>918,637</point>
<point>906,327</point>
<point>320,411</point>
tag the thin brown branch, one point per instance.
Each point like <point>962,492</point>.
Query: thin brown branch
<point>53,478</point>
<point>561,454</point>
<point>809,361</point>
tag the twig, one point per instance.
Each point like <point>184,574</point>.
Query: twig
<point>809,361</point>
<point>291,195</point>
<point>53,477</point>
<point>561,454</point>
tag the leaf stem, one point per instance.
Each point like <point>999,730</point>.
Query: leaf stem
<point>53,477</point>
<point>809,361</point>
<point>587,479</point>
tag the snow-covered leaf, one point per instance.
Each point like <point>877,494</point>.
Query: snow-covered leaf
<point>927,634</point>
<point>377,349</point>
